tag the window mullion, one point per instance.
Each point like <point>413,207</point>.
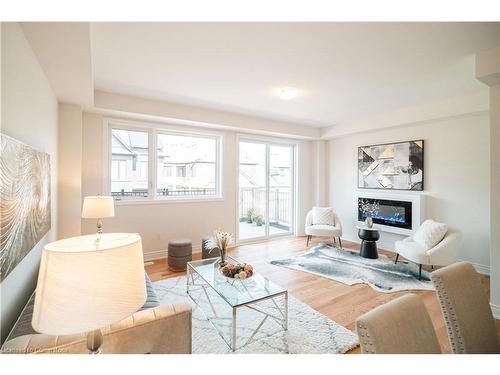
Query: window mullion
<point>152,164</point>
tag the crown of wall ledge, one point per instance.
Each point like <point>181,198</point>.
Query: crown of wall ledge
<point>443,109</point>
<point>159,110</point>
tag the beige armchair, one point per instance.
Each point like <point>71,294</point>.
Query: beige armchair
<point>401,326</point>
<point>334,230</point>
<point>443,254</point>
<point>163,329</point>
<point>466,310</point>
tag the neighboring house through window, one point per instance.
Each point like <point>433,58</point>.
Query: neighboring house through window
<point>195,159</point>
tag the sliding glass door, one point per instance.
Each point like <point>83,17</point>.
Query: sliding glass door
<point>266,189</point>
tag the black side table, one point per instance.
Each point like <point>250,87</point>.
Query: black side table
<point>369,237</point>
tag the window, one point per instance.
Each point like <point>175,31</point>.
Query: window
<point>186,165</point>
<point>167,171</point>
<point>188,152</point>
<point>181,171</point>
<point>129,163</point>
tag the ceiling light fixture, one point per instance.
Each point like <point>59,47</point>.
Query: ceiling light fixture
<point>287,93</point>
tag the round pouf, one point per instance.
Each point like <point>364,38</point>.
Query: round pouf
<point>205,251</point>
<point>180,251</point>
<point>369,239</point>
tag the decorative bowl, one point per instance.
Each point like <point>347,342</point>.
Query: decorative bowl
<point>237,271</point>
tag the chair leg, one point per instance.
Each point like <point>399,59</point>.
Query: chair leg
<point>340,242</point>
<point>397,257</point>
<point>420,272</point>
<point>308,238</point>
<point>334,241</point>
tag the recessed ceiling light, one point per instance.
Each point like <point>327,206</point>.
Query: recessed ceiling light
<point>287,93</point>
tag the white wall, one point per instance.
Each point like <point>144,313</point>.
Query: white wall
<point>157,223</point>
<point>70,170</point>
<point>457,178</point>
<point>29,114</point>
<point>201,117</point>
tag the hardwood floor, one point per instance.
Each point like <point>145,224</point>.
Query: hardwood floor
<point>341,303</point>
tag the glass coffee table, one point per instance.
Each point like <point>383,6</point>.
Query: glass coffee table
<point>204,275</point>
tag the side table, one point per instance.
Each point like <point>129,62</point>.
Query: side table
<point>369,237</point>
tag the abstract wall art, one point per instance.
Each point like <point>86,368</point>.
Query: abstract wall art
<point>24,201</point>
<point>393,166</point>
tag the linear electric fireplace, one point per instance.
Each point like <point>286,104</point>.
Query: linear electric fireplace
<point>393,213</point>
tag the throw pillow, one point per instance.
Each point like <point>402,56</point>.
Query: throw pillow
<point>323,216</point>
<point>430,233</point>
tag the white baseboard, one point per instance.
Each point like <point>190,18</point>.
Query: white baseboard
<point>162,254</point>
<point>495,309</point>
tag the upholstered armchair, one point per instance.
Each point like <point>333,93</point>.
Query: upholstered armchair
<point>165,329</point>
<point>401,326</point>
<point>155,329</point>
<point>442,254</point>
<point>466,310</point>
<point>333,229</point>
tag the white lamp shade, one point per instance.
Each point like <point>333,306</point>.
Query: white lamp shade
<point>98,207</point>
<point>84,284</point>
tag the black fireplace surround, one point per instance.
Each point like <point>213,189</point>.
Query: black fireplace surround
<point>387,212</point>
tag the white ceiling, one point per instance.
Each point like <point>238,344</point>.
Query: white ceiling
<point>63,50</point>
<point>344,71</point>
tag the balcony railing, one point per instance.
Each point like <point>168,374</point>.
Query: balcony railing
<point>250,199</point>
<point>279,204</point>
<point>137,193</point>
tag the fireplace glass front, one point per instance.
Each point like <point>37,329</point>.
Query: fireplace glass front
<point>387,212</point>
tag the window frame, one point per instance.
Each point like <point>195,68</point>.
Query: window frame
<point>153,131</point>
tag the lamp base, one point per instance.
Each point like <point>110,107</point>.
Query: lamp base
<point>99,231</point>
<point>94,341</point>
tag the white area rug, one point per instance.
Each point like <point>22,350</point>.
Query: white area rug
<point>308,330</point>
<point>350,268</point>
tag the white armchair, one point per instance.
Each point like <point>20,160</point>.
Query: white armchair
<point>443,254</point>
<point>334,230</point>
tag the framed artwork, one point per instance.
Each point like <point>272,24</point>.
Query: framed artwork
<point>392,166</point>
<point>24,201</point>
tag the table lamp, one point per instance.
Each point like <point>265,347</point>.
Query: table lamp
<point>84,285</point>
<point>98,207</point>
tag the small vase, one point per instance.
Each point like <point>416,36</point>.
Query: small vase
<point>223,254</point>
<point>369,222</point>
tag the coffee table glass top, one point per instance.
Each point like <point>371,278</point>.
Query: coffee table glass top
<point>234,291</point>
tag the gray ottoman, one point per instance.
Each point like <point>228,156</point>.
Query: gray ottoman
<point>180,251</point>
<point>205,251</point>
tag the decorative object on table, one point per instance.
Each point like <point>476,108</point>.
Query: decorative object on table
<point>98,207</point>
<point>220,242</point>
<point>369,222</point>
<point>24,201</point>
<point>393,166</point>
<point>180,251</point>
<point>237,270</point>
<point>322,221</point>
<point>206,251</point>
<point>369,238</point>
<point>349,268</point>
<point>84,285</point>
<point>433,244</point>
<point>329,337</point>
